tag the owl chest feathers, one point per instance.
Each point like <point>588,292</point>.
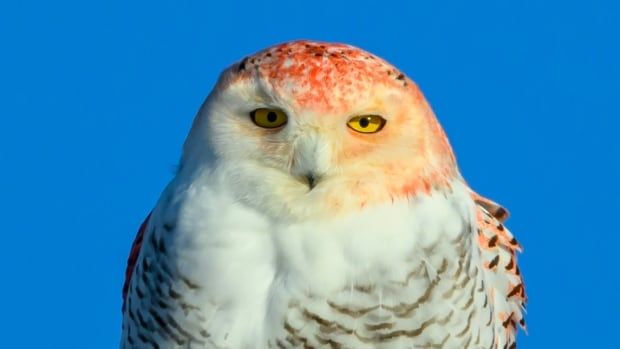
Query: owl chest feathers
<point>389,276</point>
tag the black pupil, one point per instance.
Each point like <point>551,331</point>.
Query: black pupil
<point>364,122</point>
<point>272,116</point>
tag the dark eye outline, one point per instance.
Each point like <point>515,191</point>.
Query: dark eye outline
<point>359,118</point>
<point>269,111</point>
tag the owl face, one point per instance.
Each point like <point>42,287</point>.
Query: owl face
<point>306,124</point>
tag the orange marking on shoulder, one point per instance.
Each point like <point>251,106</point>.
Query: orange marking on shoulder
<point>496,210</point>
<point>483,242</point>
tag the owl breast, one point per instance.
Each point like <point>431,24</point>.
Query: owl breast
<point>401,275</point>
<point>441,302</point>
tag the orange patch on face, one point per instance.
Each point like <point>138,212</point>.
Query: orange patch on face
<point>334,79</point>
<point>424,185</point>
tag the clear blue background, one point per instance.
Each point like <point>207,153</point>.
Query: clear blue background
<point>96,99</point>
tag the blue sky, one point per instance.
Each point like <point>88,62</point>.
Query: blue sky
<point>97,97</point>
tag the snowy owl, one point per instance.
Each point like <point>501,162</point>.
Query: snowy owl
<point>318,204</point>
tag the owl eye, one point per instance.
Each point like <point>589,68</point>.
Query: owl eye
<point>366,123</point>
<point>268,118</point>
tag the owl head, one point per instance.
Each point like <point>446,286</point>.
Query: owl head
<point>309,128</point>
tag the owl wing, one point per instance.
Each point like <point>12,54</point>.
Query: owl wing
<point>133,257</point>
<point>504,282</point>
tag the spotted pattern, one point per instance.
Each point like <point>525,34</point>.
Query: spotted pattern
<point>322,76</point>
<point>156,308</point>
<point>498,252</point>
<point>447,291</point>
<point>471,284</point>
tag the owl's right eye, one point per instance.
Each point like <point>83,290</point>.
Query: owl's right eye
<point>268,118</point>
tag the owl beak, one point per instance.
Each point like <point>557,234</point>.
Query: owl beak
<point>312,180</point>
<point>311,158</point>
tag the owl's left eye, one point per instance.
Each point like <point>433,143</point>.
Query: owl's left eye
<point>268,118</point>
<point>366,123</point>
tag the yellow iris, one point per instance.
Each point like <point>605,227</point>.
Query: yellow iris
<point>268,118</point>
<point>366,123</point>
